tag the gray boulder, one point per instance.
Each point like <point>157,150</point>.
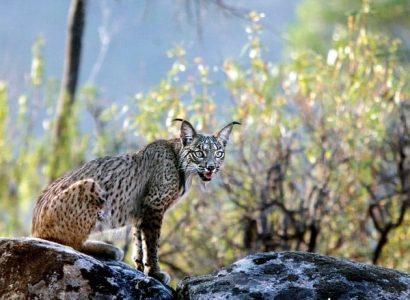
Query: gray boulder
<point>36,269</point>
<point>297,275</point>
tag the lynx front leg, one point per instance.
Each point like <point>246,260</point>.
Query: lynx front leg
<point>150,232</point>
<point>137,238</point>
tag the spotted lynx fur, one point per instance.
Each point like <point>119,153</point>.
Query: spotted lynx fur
<point>135,189</point>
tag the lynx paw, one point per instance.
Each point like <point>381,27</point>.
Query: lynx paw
<point>102,250</point>
<point>139,265</point>
<point>161,276</point>
<point>118,254</point>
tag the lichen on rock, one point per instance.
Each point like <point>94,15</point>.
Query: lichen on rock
<point>297,275</point>
<point>38,269</point>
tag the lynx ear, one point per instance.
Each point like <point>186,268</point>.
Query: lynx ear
<point>223,134</point>
<point>187,132</point>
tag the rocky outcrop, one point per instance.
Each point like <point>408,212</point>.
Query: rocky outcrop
<point>296,275</point>
<point>36,269</point>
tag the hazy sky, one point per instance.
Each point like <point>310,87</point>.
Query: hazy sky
<point>141,33</point>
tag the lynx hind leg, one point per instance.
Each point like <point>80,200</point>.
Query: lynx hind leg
<point>102,250</point>
<point>69,217</point>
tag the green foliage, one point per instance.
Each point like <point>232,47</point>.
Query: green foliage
<point>321,22</point>
<point>174,98</point>
<point>37,62</point>
<point>5,157</point>
<point>25,146</point>
<point>322,120</point>
<point>4,115</point>
<point>349,100</point>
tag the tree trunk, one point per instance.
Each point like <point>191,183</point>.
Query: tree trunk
<point>76,21</point>
<point>314,234</point>
<point>379,248</point>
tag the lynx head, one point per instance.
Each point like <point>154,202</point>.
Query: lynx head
<point>203,154</point>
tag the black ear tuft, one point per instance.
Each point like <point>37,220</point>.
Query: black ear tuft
<point>187,132</point>
<point>223,134</point>
<point>178,119</point>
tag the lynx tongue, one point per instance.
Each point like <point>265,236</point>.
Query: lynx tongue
<point>208,175</point>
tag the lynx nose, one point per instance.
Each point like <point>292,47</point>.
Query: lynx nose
<point>210,168</point>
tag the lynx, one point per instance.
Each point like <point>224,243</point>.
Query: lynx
<point>130,189</point>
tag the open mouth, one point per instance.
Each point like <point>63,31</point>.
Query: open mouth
<point>206,176</point>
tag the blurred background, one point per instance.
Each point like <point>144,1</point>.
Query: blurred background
<point>321,162</point>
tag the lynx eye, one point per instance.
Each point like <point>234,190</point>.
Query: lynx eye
<point>199,154</point>
<point>219,154</point>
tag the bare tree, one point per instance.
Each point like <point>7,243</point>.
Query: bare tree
<point>283,215</point>
<point>76,23</point>
<point>390,191</point>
